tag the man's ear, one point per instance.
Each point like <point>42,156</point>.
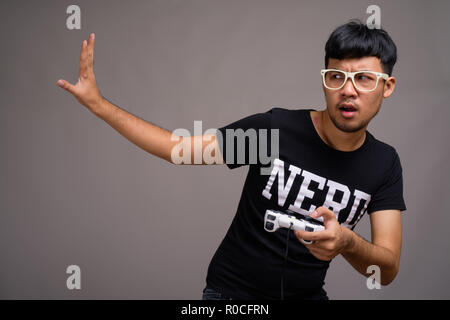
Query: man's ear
<point>389,87</point>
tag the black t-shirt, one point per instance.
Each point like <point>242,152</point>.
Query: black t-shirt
<point>305,174</point>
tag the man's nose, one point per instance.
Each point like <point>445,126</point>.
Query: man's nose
<point>349,89</point>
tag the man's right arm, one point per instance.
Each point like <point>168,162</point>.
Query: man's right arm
<point>149,137</point>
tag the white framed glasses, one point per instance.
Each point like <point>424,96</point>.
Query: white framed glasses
<point>365,81</point>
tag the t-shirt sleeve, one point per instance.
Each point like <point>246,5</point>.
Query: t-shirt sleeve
<point>390,195</point>
<point>246,141</point>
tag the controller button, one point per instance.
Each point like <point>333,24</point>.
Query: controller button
<point>309,229</point>
<point>271,217</point>
<point>269,225</point>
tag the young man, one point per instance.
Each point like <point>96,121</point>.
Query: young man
<point>328,166</point>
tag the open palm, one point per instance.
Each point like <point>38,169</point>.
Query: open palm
<point>85,90</point>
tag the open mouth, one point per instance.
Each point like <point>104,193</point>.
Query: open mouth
<point>347,110</point>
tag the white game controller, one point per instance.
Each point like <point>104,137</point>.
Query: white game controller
<point>273,220</point>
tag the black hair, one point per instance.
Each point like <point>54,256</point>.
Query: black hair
<point>355,40</point>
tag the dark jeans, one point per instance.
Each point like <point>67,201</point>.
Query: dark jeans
<point>211,294</point>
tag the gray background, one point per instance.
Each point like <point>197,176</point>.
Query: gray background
<point>73,191</point>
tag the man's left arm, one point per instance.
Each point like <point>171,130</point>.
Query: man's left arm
<point>384,250</point>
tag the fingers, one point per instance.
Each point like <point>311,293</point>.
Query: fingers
<point>90,47</point>
<point>313,236</point>
<point>328,218</point>
<point>325,213</point>
<point>87,57</point>
<point>83,60</point>
<point>66,85</point>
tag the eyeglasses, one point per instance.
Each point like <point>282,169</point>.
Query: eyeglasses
<point>365,81</point>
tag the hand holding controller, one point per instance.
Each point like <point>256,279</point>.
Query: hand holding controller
<point>273,220</point>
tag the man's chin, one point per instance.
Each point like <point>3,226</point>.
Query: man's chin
<point>347,126</point>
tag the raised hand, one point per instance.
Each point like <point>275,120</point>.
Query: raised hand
<point>85,90</point>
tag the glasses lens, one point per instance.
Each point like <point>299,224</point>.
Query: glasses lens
<point>334,79</point>
<point>365,80</point>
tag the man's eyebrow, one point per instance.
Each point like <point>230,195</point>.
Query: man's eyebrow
<point>357,70</point>
<point>365,70</point>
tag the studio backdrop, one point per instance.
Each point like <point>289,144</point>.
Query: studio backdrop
<point>75,196</point>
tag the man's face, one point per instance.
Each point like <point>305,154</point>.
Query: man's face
<point>366,104</point>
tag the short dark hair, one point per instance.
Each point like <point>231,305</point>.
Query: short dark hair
<point>355,40</point>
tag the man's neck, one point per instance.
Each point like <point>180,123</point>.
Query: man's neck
<point>334,137</point>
